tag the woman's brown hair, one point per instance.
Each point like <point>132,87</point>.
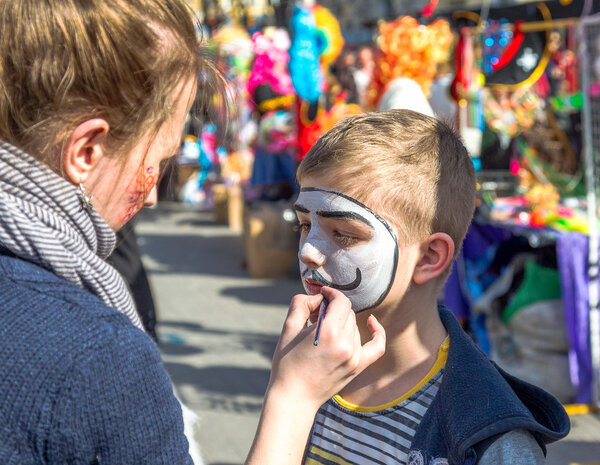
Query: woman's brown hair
<point>63,62</point>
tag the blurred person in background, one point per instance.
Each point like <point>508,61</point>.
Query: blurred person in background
<point>344,70</point>
<point>440,99</point>
<point>364,72</point>
<point>126,258</point>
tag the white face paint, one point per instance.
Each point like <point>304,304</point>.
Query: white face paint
<point>363,272</point>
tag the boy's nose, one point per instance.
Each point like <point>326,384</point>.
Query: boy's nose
<point>311,256</point>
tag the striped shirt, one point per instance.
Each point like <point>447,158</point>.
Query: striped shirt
<point>347,434</point>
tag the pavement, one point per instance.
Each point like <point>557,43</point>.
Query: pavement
<point>218,329</point>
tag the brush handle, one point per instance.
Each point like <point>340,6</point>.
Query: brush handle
<point>322,311</point>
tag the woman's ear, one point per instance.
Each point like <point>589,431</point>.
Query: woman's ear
<point>84,149</point>
<point>437,252</point>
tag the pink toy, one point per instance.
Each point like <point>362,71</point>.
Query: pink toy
<point>270,64</point>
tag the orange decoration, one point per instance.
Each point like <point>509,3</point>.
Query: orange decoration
<point>409,49</point>
<point>310,132</point>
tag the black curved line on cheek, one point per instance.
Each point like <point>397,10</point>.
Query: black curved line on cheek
<point>340,287</point>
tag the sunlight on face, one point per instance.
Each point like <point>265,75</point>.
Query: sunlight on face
<point>139,193</point>
<point>121,189</point>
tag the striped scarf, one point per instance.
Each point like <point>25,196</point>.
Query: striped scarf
<point>42,221</point>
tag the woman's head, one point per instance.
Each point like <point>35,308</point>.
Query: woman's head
<point>65,61</point>
<point>123,65</point>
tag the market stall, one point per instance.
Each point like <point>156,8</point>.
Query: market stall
<point>522,281</point>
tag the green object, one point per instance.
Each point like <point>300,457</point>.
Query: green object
<point>569,103</point>
<point>539,284</point>
<point>567,185</point>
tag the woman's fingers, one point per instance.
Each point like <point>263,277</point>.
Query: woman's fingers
<point>301,308</point>
<point>338,310</point>
<point>374,348</point>
<point>340,327</point>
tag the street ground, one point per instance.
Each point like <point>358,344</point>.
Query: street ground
<point>218,329</point>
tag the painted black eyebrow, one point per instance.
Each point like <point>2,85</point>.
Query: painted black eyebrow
<point>348,215</point>
<point>301,208</point>
<point>384,222</point>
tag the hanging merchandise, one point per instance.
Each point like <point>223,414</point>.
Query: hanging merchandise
<point>305,67</point>
<point>276,131</point>
<point>510,113</point>
<point>237,167</point>
<point>521,63</point>
<point>270,87</point>
<point>270,62</point>
<point>411,50</point>
<point>428,10</point>
<point>495,40</point>
<point>517,92</point>
<point>235,43</point>
<point>563,67</point>
<point>310,130</point>
<point>466,89</point>
<point>511,55</point>
<point>235,47</point>
<point>329,36</point>
<point>317,43</point>
<point>197,161</point>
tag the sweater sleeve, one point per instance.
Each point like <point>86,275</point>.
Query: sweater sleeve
<point>517,447</point>
<point>117,406</point>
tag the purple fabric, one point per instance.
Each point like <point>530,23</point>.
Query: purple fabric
<point>572,253</point>
<point>453,296</point>
<point>479,238</point>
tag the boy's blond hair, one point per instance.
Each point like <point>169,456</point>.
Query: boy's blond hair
<point>63,62</point>
<point>412,168</point>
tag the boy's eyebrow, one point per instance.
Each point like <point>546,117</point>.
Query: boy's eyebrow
<point>301,208</point>
<point>346,215</point>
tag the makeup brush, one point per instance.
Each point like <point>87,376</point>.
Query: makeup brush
<point>322,311</point>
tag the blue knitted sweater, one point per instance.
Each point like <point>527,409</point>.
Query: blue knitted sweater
<point>79,384</point>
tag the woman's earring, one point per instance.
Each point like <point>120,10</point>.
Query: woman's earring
<point>86,200</point>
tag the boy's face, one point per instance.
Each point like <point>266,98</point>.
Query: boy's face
<point>344,245</point>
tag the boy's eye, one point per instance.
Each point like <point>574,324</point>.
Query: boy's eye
<point>302,227</point>
<point>344,239</point>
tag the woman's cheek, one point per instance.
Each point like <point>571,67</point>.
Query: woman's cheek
<point>137,193</point>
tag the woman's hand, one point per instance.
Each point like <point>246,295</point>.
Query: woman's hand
<point>315,373</point>
<point>304,376</point>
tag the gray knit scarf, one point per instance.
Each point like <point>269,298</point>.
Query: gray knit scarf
<point>42,221</point>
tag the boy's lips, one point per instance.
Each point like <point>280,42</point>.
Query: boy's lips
<point>312,286</point>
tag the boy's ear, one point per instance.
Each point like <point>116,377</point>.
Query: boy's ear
<point>84,149</point>
<point>437,252</point>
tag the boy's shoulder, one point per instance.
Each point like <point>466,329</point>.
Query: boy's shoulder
<point>477,400</point>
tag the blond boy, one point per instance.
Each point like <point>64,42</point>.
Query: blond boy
<point>385,202</point>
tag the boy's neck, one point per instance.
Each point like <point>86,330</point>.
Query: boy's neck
<point>414,333</point>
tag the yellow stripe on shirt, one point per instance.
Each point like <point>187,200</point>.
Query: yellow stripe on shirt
<point>325,455</point>
<point>442,357</point>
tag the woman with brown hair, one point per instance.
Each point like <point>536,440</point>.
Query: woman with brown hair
<point>93,98</point>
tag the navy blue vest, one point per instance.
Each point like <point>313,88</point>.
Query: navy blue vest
<point>476,403</point>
